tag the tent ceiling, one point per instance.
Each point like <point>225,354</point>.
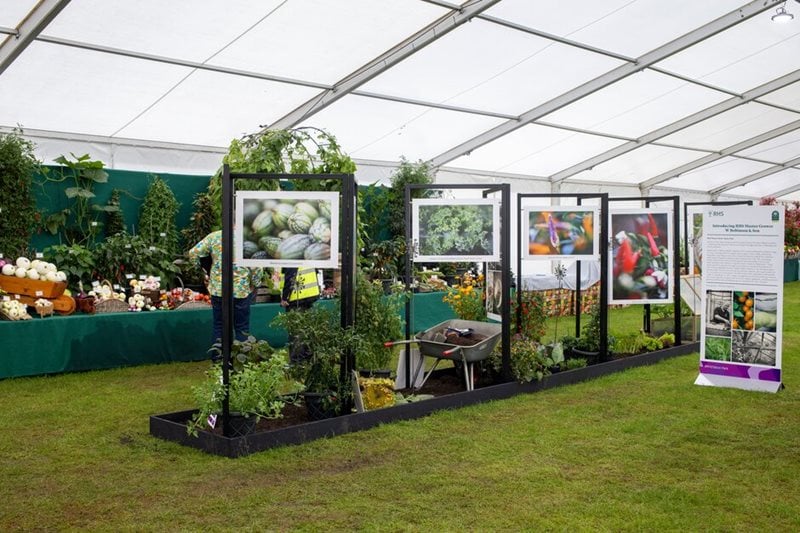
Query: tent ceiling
<point>685,95</point>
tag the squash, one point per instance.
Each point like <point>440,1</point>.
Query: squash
<point>263,225</point>
<point>248,249</point>
<point>281,214</point>
<point>250,211</point>
<point>285,234</point>
<point>269,244</point>
<point>320,230</point>
<point>325,209</point>
<point>317,251</point>
<point>293,247</point>
<point>299,222</point>
<point>307,208</point>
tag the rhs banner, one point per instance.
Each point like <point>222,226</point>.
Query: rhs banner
<point>742,307</point>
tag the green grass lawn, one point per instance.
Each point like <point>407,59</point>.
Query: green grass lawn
<point>644,449</point>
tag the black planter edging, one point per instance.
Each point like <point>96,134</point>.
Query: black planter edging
<point>172,426</point>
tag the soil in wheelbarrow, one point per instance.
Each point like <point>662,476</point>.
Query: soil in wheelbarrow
<point>469,340</point>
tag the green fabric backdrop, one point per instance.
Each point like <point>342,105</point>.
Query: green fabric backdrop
<point>92,342</point>
<point>50,197</point>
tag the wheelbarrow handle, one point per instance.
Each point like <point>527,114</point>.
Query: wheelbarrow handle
<point>451,351</point>
<point>389,344</point>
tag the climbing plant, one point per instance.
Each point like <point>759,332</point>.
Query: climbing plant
<point>18,215</point>
<point>157,217</point>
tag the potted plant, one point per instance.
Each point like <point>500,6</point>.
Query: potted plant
<point>326,342</point>
<point>254,392</point>
<point>377,321</point>
<point>587,346</point>
<point>384,257</point>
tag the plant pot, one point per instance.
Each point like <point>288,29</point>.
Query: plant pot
<point>241,425</point>
<point>376,373</point>
<point>591,357</point>
<point>316,406</point>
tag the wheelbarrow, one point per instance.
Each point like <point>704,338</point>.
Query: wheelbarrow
<point>434,342</point>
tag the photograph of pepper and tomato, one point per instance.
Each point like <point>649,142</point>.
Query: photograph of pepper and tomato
<point>741,326</point>
<point>641,261</point>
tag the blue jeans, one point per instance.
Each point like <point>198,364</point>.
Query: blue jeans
<point>241,317</point>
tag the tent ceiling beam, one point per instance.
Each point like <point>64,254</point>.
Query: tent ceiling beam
<point>749,143</point>
<point>119,141</point>
<point>754,177</point>
<point>788,190</point>
<point>678,125</point>
<point>435,105</point>
<point>30,27</point>
<point>178,62</point>
<point>698,35</point>
<point>391,57</point>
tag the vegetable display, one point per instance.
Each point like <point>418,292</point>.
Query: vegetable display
<point>36,270</point>
<point>283,228</point>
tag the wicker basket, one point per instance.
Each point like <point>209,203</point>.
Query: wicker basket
<point>4,316</point>
<point>185,306</point>
<point>44,310</point>
<point>111,305</point>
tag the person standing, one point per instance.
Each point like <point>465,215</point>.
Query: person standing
<point>299,290</point>
<point>245,283</point>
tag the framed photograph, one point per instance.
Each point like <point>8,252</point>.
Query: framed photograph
<point>286,229</point>
<point>694,225</point>
<point>448,230</point>
<point>560,233</point>
<point>641,260</point>
<point>494,292</point>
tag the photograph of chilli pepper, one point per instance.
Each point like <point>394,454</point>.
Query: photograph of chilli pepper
<point>640,261</point>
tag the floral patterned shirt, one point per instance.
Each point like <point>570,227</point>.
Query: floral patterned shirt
<point>245,280</point>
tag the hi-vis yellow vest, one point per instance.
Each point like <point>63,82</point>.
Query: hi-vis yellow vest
<point>305,285</point>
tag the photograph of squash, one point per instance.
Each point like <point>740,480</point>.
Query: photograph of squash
<point>641,262</point>
<point>560,233</point>
<point>289,229</point>
<point>766,312</point>
<point>447,230</point>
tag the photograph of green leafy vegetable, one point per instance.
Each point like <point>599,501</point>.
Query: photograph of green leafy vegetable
<point>456,230</point>
<point>718,348</point>
<point>641,256</point>
<point>560,233</point>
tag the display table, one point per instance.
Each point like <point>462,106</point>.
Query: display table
<point>92,342</point>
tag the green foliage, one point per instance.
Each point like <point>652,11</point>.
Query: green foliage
<point>201,223</point>
<point>377,321</point>
<point>157,217</point>
<point>79,222</point>
<point>533,322</point>
<point>303,150</point>
<point>250,350</point>
<point>320,331</point>
<point>123,254</point>
<point>76,260</point>
<point>384,258</point>
<point>634,343</point>
<point>590,334</point>
<point>254,390</point>
<point>571,364</point>
<point>529,359</point>
<point>115,221</point>
<point>419,173</point>
<point>18,215</point>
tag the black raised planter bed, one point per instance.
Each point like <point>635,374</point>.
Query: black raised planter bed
<point>172,426</point>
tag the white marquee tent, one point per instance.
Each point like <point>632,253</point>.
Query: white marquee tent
<point>638,97</point>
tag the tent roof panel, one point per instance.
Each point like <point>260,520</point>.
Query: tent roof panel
<point>486,66</point>
<point>716,174</point>
<point>536,150</point>
<point>80,91</point>
<point>769,185</point>
<point>186,29</point>
<point>14,11</point>
<point>235,105</point>
<point>636,105</point>
<point>647,23</point>
<point>325,41</point>
<point>743,57</point>
<point>777,150</point>
<point>731,127</point>
<point>380,129</point>
<point>637,165</point>
<point>789,97</point>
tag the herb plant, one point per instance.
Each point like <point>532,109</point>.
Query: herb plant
<point>157,217</point>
